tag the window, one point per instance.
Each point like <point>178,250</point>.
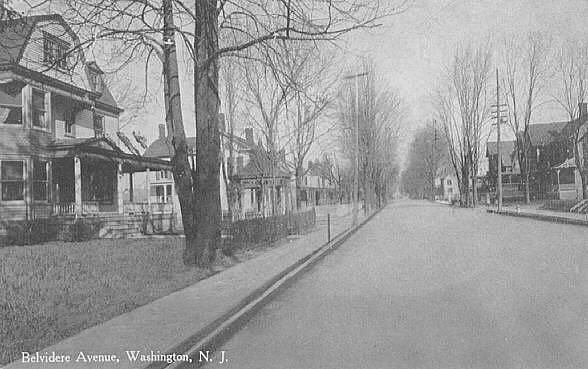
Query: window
<point>40,180</point>
<point>449,182</point>
<point>96,81</point>
<point>69,123</point>
<point>54,51</point>
<point>10,103</point>
<point>39,120</point>
<point>168,193</point>
<point>98,125</point>
<point>12,180</point>
<point>162,174</point>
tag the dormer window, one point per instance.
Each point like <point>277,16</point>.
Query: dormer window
<point>55,51</point>
<point>96,80</point>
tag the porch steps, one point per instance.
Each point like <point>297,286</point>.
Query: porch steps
<point>580,208</point>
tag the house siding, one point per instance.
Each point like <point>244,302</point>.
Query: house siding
<point>32,57</point>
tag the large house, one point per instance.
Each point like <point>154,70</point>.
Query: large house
<point>59,149</point>
<point>553,172</point>
<point>251,184</point>
<point>317,188</point>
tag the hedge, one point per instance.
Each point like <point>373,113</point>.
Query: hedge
<point>247,232</point>
<point>32,232</point>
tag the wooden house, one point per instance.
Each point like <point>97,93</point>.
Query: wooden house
<point>59,150</point>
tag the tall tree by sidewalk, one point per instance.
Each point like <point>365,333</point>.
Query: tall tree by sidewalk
<point>526,65</point>
<point>142,29</point>
<point>380,114</point>
<point>572,75</point>
<point>462,109</point>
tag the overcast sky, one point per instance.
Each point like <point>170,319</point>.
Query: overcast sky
<point>410,50</point>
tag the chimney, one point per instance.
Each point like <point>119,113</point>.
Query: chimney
<point>583,109</point>
<point>249,136</point>
<point>162,131</point>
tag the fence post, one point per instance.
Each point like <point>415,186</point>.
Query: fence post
<point>329,227</point>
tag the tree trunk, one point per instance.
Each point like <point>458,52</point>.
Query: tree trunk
<point>299,175</point>
<point>181,165</point>
<point>206,204</point>
<point>527,189</point>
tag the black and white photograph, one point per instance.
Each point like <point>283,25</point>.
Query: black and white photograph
<point>294,184</point>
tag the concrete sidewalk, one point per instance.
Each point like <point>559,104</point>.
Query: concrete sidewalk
<point>170,324</point>
<point>544,215</point>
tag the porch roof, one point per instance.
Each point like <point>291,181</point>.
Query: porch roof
<point>105,149</point>
<point>568,163</point>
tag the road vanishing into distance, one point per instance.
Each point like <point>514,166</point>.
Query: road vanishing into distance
<point>427,286</point>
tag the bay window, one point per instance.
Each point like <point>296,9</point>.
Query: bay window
<point>38,110</point>
<point>12,180</point>
<point>11,103</point>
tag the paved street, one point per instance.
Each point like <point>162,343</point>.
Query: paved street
<point>427,286</point>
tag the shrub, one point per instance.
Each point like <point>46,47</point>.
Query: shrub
<point>30,232</point>
<point>82,229</point>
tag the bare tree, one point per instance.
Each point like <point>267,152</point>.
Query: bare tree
<point>462,110</point>
<point>526,71</point>
<point>142,29</point>
<point>381,114</point>
<point>572,73</point>
<point>426,155</point>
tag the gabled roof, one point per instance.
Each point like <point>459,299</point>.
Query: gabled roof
<point>545,133</point>
<point>260,166</point>
<point>15,34</point>
<point>506,147</point>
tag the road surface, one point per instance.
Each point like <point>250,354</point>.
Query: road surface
<point>426,286</point>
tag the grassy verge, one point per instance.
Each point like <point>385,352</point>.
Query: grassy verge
<point>52,291</point>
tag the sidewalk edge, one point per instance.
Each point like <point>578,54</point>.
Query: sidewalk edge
<point>542,217</point>
<point>217,332</point>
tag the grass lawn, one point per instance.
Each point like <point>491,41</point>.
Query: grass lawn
<point>52,291</point>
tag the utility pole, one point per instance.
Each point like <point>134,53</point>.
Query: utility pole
<point>498,151</point>
<point>356,148</point>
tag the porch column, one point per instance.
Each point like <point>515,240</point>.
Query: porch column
<point>28,188</point>
<point>78,184</point>
<point>148,184</point>
<point>131,188</point>
<point>120,189</point>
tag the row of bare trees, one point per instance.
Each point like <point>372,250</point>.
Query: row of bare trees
<point>372,107</point>
<point>160,34</point>
<point>533,72</point>
<point>427,159</point>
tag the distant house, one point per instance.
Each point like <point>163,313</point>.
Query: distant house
<point>446,186</point>
<point>60,153</point>
<point>317,187</point>
<point>511,171</point>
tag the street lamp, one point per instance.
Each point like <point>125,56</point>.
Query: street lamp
<point>356,149</point>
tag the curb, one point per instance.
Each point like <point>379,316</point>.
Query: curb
<point>220,330</point>
<point>542,217</point>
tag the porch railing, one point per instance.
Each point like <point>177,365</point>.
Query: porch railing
<point>153,208</point>
<point>89,207</point>
<point>64,208</point>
